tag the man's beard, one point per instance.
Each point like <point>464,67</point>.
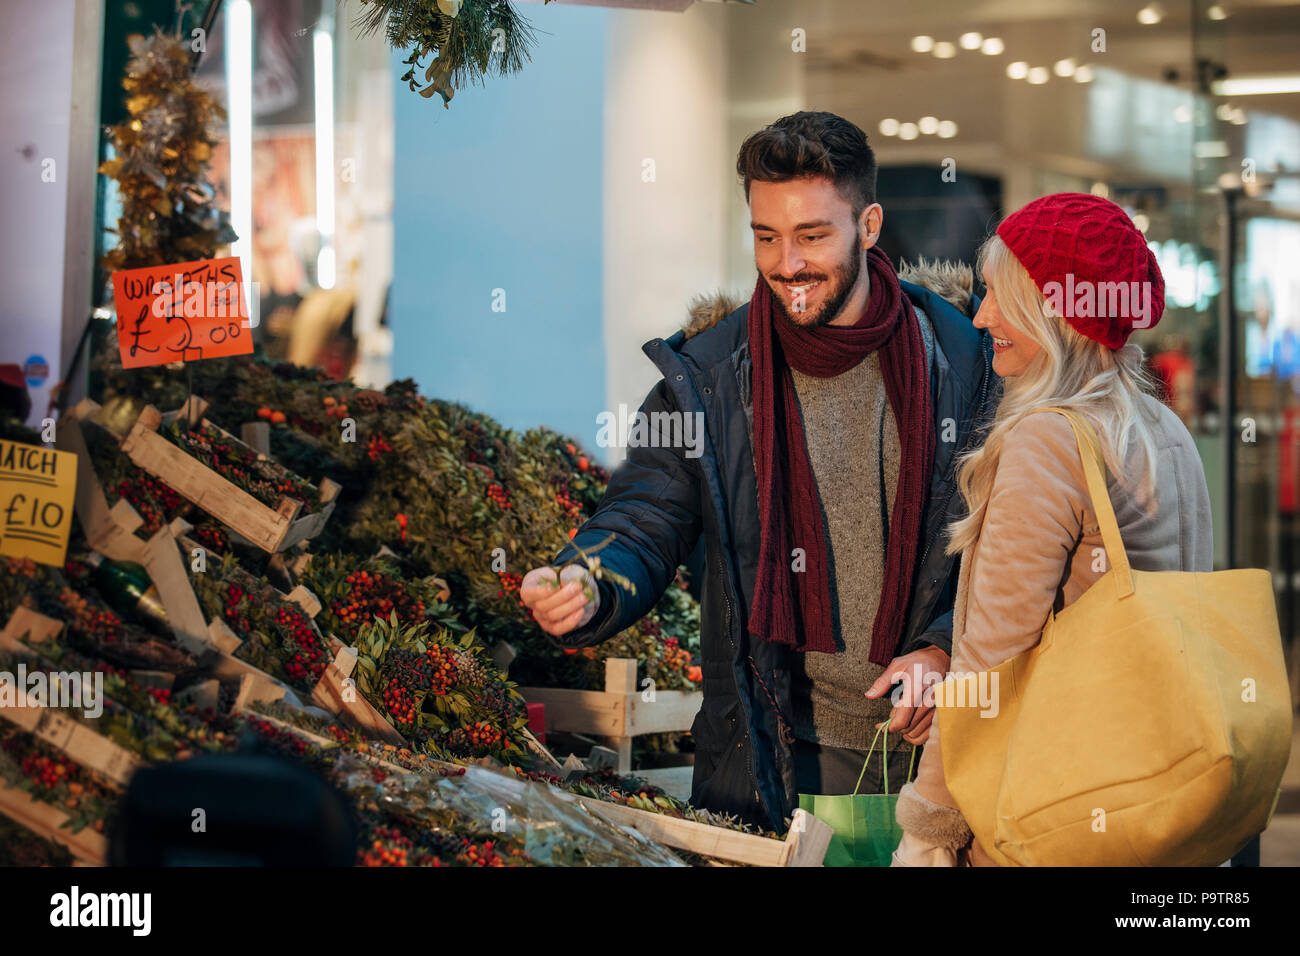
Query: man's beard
<point>841,281</point>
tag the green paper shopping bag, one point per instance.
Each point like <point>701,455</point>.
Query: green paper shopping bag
<point>865,831</point>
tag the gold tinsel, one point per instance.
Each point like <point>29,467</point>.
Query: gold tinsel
<point>160,163</point>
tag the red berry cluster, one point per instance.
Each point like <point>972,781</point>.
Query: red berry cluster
<point>260,477</point>
<point>478,737</point>
<point>212,536</point>
<point>162,695</point>
<point>568,504</point>
<point>278,738</point>
<point>368,595</point>
<point>482,854</point>
<point>47,772</point>
<point>650,626</point>
<point>389,848</point>
<point>499,495</point>
<point>100,623</point>
<point>309,659</point>
<point>408,676</point>
<point>442,662</point>
<point>231,611</point>
<point>377,447</point>
<point>151,497</point>
<point>21,567</point>
<point>510,585</point>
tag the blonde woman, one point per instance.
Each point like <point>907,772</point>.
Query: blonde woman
<point>1030,543</point>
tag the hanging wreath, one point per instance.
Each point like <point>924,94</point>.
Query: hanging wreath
<point>451,42</point>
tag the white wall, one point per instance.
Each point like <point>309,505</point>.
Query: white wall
<point>36,48</point>
<point>666,82</point>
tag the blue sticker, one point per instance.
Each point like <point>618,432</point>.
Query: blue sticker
<point>36,369</point>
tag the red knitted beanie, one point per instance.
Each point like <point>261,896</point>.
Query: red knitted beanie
<point>1091,263</point>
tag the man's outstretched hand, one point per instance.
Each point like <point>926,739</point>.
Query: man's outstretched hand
<point>909,715</point>
<point>560,606</point>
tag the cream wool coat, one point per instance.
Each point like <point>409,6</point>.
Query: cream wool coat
<point>1039,549</point>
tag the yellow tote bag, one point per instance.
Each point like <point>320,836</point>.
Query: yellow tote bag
<point>1150,726</point>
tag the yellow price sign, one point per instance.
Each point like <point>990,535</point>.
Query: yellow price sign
<point>38,486</point>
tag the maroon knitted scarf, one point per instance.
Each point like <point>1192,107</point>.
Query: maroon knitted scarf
<point>792,607</point>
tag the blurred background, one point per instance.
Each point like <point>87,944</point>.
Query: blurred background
<point>513,249</point>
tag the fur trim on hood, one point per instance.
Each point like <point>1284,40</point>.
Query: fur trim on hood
<point>953,281</point>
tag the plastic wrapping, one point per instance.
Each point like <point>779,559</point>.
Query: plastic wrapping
<point>555,829</point>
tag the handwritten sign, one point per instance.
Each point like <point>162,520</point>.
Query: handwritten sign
<point>182,312</point>
<point>37,488</point>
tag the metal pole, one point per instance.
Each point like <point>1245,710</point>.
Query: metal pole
<point>209,18</point>
<point>1228,366</point>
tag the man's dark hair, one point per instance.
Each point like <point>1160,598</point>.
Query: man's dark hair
<point>812,144</point>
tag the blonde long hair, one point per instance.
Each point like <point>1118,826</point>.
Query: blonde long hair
<point>1072,371</point>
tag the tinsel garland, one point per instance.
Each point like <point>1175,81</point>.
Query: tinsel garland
<point>160,161</point>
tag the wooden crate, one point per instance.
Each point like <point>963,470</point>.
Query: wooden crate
<point>87,846</point>
<point>619,712</point>
<point>804,845</point>
<point>271,529</point>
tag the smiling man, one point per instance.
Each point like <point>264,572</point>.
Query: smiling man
<point>835,404</point>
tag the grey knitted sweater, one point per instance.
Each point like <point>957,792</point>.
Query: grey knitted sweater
<point>845,419</point>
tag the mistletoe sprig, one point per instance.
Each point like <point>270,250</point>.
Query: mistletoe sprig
<point>590,560</point>
<point>463,40</point>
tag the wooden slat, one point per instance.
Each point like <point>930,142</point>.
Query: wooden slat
<point>222,637</point>
<point>305,599</point>
<point>79,742</point>
<point>36,627</point>
<point>348,703</point>
<point>669,712</point>
<point>211,492</point>
<point>45,820</point>
<point>257,436</point>
<point>808,839</point>
<point>162,560</point>
<point>257,687</point>
<point>716,841</point>
<point>580,711</point>
<point>103,533</point>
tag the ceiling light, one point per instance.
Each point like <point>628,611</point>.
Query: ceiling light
<point>1216,12</point>
<point>1039,75</point>
<point>1257,85</point>
<point>928,125</point>
<point>923,44</point>
<point>1151,14</point>
<point>907,131</point>
<point>1141,221</point>
<point>1224,112</point>
<point>970,41</point>
<point>992,46</point>
<point>1064,67</point>
<point>1238,117</point>
<point>1018,70</point>
<point>947,129</point>
<point>944,50</point>
<point>1101,189</point>
<point>1083,74</point>
<point>889,127</point>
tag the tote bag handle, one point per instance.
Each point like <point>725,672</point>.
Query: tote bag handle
<point>884,756</point>
<point>1085,437</point>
